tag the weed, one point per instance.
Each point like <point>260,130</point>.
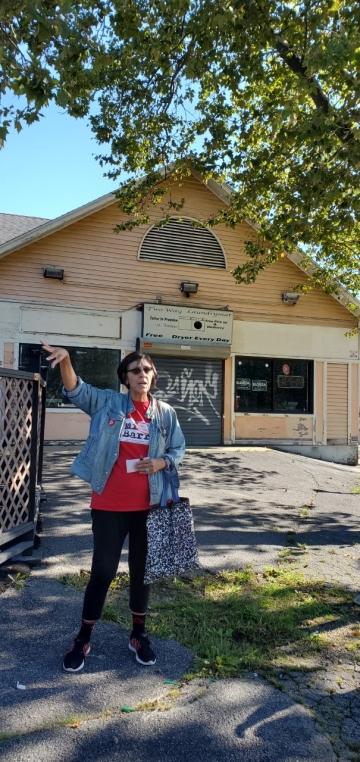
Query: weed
<point>353,646</point>
<point>19,580</point>
<point>304,512</point>
<point>153,705</point>
<point>110,614</point>
<point>235,621</point>
<point>162,704</point>
<point>71,721</point>
<point>286,553</point>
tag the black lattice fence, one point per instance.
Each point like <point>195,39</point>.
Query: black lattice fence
<point>22,417</point>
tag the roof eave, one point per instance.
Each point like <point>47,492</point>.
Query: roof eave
<point>341,295</point>
<point>52,226</point>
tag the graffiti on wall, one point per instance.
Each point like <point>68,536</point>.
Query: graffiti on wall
<point>190,393</point>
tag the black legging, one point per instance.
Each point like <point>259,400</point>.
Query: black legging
<point>110,529</point>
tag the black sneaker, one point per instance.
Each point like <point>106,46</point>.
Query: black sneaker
<point>141,646</point>
<point>75,658</point>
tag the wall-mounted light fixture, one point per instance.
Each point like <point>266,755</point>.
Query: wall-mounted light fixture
<point>53,272</point>
<point>187,287</point>
<point>290,297</point>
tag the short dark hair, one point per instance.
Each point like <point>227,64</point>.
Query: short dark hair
<point>135,357</point>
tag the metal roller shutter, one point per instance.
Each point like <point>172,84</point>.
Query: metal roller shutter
<point>194,388</point>
<point>337,403</point>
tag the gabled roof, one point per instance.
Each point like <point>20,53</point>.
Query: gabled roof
<point>52,226</point>
<point>42,229</point>
<point>13,225</point>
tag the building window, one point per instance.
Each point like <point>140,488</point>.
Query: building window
<point>97,367</point>
<point>273,386</point>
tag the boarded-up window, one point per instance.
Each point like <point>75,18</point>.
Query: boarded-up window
<point>337,403</point>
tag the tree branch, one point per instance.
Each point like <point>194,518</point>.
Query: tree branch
<point>322,103</point>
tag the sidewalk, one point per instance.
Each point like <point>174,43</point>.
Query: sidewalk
<point>247,504</point>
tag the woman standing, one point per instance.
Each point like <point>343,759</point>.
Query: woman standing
<point>134,443</point>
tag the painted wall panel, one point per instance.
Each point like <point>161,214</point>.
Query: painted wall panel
<point>228,401</point>
<point>280,340</point>
<point>354,402</point>
<point>131,323</point>
<point>9,318</point>
<point>54,324</point>
<point>67,323</point>
<point>67,425</point>
<point>337,403</point>
<point>319,403</point>
<point>8,355</point>
<point>298,427</point>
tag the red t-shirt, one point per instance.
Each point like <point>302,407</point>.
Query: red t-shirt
<point>128,491</point>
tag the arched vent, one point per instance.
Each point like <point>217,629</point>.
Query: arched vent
<point>179,241</point>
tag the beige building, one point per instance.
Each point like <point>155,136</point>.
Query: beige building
<point>241,364</point>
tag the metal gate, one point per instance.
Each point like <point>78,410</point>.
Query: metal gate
<point>194,388</point>
<point>22,415</point>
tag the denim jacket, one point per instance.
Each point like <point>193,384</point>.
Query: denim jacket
<point>108,410</point>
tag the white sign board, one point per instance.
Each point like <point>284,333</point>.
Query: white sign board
<point>69,323</point>
<point>162,321</point>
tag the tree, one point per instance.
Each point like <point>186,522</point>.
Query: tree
<point>260,93</point>
<point>47,53</point>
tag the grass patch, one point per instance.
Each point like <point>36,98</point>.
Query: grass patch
<point>18,580</point>
<point>286,553</point>
<point>235,621</point>
<point>7,736</point>
<point>304,512</point>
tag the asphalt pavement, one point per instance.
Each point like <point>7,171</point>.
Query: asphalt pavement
<point>247,503</point>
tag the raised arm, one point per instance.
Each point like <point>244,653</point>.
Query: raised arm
<point>60,356</point>
<point>88,398</point>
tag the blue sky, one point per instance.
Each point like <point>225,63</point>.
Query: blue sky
<point>49,168</point>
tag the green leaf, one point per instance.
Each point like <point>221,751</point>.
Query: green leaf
<point>62,98</point>
<point>65,5</point>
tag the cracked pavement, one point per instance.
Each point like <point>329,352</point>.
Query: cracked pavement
<point>248,505</point>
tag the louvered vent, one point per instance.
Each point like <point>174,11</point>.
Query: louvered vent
<point>180,241</point>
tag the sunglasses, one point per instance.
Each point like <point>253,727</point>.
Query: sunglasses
<point>136,371</point>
